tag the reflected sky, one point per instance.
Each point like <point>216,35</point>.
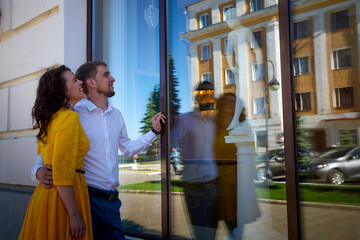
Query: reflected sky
<point>134,57</point>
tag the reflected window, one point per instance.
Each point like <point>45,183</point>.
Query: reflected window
<point>302,102</point>
<point>341,58</point>
<point>229,45</point>
<point>261,139</point>
<point>344,97</point>
<point>205,51</point>
<point>256,5</point>
<point>204,20</point>
<point>228,12</point>
<point>229,77</point>
<point>257,41</point>
<point>301,66</point>
<point>340,19</point>
<point>301,29</point>
<point>257,70</point>
<point>206,77</point>
<point>259,105</point>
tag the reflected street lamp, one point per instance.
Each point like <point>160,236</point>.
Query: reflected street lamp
<point>273,83</point>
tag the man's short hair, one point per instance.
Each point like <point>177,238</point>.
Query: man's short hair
<point>88,70</point>
<point>204,85</point>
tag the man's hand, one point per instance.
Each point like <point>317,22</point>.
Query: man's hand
<point>157,119</point>
<point>44,175</point>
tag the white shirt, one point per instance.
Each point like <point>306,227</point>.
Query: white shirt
<point>107,133</point>
<point>196,138</point>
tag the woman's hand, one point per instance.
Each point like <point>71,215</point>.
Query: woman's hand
<point>77,226</point>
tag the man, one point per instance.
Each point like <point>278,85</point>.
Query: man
<point>106,131</point>
<point>194,134</point>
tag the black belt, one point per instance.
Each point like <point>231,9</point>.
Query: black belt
<point>100,194</point>
<point>76,170</point>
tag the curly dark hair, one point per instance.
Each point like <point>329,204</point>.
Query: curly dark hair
<point>50,97</point>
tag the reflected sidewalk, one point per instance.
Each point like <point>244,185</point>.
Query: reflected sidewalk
<point>321,221</point>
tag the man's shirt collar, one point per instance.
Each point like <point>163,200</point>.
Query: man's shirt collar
<point>91,106</point>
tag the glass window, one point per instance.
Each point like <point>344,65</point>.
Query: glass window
<point>206,77</point>
<point>261,139</point>
<point>216,96</point>
<point>329,129</point>
<point>341,58</point>
<point>257,41</point>
<point>344,97</point>
<point>257,71</point>
<point>259,105</point>
<point>136,70</point>
<point>205,51</point>
<point>228,12</point>
<point>256,5</point>
<point>229,45</point>
<point>301,66</point>
<point>340,19</point>
<point>229,76</point>
<point>204,20</point>
<point>301,29</point>
<point>302,102</point>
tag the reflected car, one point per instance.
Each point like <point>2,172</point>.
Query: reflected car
<point>335,166</point>
<point>276,163</point>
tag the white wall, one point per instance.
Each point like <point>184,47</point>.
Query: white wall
<point>34,35</point>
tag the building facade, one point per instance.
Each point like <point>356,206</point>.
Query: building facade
<point>325,64</point>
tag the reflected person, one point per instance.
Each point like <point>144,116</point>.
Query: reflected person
<point>194,134</point>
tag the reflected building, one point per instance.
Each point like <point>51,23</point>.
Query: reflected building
<point>235,44</point>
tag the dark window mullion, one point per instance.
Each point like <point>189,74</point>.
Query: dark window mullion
<point>292,184</point>
<point>164,140</point>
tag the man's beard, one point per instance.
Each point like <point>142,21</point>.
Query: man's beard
<point>108,93</point>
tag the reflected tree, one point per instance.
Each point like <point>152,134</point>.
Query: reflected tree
<point>175,102</point>
<point>346,138</point>
<point>153,107</point>
<point>303,137</point>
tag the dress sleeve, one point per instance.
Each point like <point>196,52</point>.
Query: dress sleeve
<point>65,150</point>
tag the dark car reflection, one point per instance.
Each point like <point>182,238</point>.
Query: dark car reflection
<point>274,161</point>
<point>335,166</point>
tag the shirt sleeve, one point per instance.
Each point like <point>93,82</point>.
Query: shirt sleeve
<point>65,150</point>
<point>39,163</point>
<point>129,147</point>
<point>177,131</point>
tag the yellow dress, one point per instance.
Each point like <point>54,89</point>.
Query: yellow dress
<point>65,149</point>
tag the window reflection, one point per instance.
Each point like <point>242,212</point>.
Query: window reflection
<point>227,48</point>
<point>327,102</point>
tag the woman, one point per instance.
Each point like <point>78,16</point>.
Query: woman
<point>63,211</point>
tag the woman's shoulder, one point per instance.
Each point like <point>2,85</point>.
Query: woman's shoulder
<point>65,114</point>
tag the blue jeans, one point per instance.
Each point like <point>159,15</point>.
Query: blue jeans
<point>105,218</point>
